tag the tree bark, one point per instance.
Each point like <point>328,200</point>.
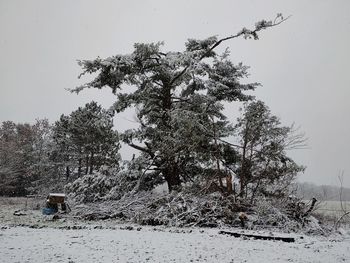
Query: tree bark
<point>171,172</point>
<point>91,163</point>
<point>217,157</point>
<point>243,166</point>
<point>79,167</point>
<point>229,184</point>
<point>172,177</point>
<point>87,164</point>
<point>67,172</point>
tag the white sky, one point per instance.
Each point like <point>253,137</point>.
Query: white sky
<point>303,64</point>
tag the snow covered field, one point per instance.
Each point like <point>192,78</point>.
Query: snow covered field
<point>32,237</point>
<point>24,244</point>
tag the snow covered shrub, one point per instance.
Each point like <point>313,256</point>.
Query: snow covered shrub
<point>107,184</point>
<point>276,213</point>
<point>269,213</point>
<point>90,187</point>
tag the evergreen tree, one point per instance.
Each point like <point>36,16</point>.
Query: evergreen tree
<point>179,100</point>
<point>264,166</point>
<point>24,156</point>
<point>86,138</point>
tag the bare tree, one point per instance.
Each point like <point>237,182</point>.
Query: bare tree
<point>345,212</point>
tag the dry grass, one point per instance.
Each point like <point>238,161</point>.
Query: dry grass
<point>330,211</point>
<point>21,203</point>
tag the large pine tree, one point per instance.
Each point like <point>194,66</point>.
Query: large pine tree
<point>179,101</point>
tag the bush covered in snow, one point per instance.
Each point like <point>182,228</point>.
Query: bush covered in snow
<point>101,186</point>
<point>91,187</point>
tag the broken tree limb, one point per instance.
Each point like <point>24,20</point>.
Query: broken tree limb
<point>284,239</point>
<point>311,208</point>
<point>336,225</point>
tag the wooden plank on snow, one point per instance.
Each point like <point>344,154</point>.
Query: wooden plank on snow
<point>284,239</point>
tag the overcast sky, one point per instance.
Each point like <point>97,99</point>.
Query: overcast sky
<point>303,64</point>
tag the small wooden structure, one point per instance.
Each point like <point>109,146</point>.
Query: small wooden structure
<point>56,198</point>
<point>52,202</point>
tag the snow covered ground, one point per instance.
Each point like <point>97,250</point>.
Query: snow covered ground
<point>24,244</point>
<point>31,237</point>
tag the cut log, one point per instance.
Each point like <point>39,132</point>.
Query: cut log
<point>284,239</point>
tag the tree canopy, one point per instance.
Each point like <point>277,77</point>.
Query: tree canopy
<point>178,97</point>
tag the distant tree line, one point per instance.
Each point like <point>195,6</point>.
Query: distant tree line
<point>24,155</point>
<point>322,192</point>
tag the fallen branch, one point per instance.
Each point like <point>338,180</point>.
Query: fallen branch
<point>311,208</point>
<point>96,216</point>
<point>284,239</point>
<point>336,225</point>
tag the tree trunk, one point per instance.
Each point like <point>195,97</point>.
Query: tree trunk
<point>243,172</point>
<point>79,167</point>
<point>87,164</point>
<point>67,173</point>
<point>255,191</point>
<point>170,172</point>
<point>172,178</point>
<point>229,184</point>
<point>91,163</point>
<point>217,157</point>
<point>242,175</point>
